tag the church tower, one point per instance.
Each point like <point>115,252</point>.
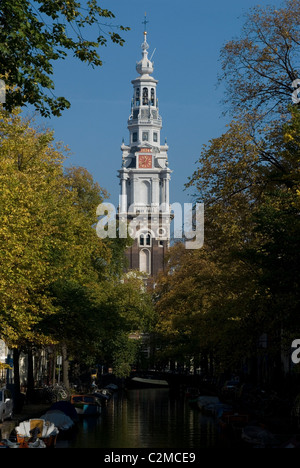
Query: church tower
<point>145,175</point>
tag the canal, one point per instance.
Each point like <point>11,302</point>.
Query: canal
<point>146,418</point>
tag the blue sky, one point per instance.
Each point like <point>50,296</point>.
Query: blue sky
<point>187,37</point>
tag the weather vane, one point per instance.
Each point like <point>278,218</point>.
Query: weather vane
<point>145,22</point>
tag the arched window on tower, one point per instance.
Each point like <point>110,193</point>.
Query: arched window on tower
<point>145,239</point>
<point>137,96</point>
<point>145,261</point>
<point>152,97</point>
<point>145,97</point>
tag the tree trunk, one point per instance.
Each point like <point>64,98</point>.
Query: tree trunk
<point>17,385</point>
<point>65,366</point>
<point>30,378</point>
<point>54,368</point>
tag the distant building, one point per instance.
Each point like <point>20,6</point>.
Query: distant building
<point>145,175</point>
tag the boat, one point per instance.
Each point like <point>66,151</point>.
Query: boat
<point>86,405</point>
<point>67,408</point>
<point>6,443</point>
<point>36,433</point>
<point>38,443</point>
<point>291,443</point>
<point>221,409</point>
<point>103,395</point>
<point>207,401</point>
<point>147,382</point>
<point>258,437</point>
<point>191,392</point>
<point>63,422</point>
<point>233,421</point>
<point>112,387</point>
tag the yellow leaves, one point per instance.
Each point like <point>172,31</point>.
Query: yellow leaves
<point>4,366</point>
<point>31,180</point>
<point>288,137</point>
<point>46,229</point>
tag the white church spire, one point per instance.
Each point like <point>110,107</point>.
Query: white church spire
<point>145,174</point>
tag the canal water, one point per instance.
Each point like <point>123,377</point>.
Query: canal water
<point>146,418</point>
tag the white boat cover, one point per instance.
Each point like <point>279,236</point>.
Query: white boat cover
<point>48,428</point>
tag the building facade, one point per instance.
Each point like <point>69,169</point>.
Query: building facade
<point>145,175</point>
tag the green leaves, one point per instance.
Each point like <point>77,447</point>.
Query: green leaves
<point>34,35</point>
<point>30,201</point>
<point>43,235</point>
<point>244,282</point>
<point>60,283</point>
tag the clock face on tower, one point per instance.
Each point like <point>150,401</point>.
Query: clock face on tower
<point>145,161</point>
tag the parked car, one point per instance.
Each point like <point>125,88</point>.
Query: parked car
<point>6,404</point>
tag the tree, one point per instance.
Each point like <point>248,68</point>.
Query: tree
<point>216,302</point>
<point>60,284</point>
<point>32,198</point>
<point>276,225</point>
<point>46,233</point>
<point>126,313</point>
<point>34,34</point>
<point>203,310</point>
<point>94,321</point>
<point>259,67</point>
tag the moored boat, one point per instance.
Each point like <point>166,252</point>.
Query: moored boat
<point>147,382</point>
<point>221,409</point>
<point>258,437</point>
<point>103,395</point>
<point>86,405</point>
<point>233,421</point>
<point>112,387</point>
<point>207,401</point>
<point>6,443</point>
<point>63,422</point>
<point>36,433</point>
<point>67,408</point>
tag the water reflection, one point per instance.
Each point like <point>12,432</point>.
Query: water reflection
<point>147,418</point>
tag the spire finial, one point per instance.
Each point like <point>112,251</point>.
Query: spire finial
<point>145,46</point>
<point>145,66</point>
<point>145,23</point>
